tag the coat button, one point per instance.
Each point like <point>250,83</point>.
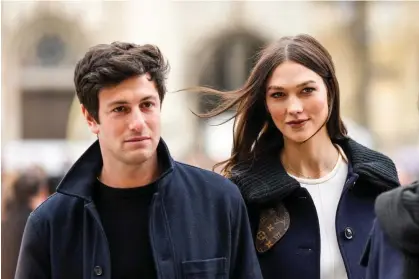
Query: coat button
<point>98,270</point>
<point>349,233</point>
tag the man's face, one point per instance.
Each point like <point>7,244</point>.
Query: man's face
<point>129,121</point>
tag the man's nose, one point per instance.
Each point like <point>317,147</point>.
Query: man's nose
<point>137,120</point>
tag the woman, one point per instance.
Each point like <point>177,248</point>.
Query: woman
<point>309,188</point>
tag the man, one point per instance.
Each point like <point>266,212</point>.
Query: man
<point>126,209</point>
<point>393,249</point>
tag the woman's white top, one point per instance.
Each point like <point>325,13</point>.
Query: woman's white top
<point>326,192</point>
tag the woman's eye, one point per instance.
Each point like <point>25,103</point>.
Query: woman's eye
<point>308,90</point>
<point>277,95</point>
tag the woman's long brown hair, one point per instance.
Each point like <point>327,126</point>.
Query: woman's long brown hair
<point>254,131</point>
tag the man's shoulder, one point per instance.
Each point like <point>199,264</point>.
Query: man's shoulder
<point>212,181</point>
<point>201,173</point>
<point>55,207</point>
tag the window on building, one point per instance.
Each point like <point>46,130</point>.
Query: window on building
<point>228,69</point>
<point>50,50</point>
<point>45,114</point>
<point>229,66</point>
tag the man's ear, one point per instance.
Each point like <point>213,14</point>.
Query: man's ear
<point>93,125</point>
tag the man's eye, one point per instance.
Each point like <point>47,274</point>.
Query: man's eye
<point>119,109</point>
<point>147,105</point>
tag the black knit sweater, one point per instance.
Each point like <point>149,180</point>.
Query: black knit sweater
<point>264,179</point>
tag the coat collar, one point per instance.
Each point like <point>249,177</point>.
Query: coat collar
<point>264,179</point>
<point>80,179</point>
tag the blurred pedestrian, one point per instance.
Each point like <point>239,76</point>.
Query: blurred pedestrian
<point>28,192</point>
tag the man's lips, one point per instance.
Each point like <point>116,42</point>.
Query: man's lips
<point>136,139</point>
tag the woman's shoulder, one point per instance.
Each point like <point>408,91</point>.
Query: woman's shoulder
<point>370,164</point>
<point>263,180</point>
<point>362,154</point>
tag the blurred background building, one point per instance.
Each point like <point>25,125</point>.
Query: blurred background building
<point>374,46</point>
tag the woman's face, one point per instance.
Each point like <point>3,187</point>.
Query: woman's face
<point>296,98</point>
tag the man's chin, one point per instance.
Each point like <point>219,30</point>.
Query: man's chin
<point>138,157</point>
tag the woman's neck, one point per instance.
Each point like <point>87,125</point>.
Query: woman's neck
<point>312,159</point>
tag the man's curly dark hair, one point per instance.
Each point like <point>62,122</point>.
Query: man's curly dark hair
<point>107,65</point>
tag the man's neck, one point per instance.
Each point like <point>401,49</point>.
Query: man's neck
<point>130,176</point>
<point>312,159</point>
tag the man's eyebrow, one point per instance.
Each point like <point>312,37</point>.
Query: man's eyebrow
<point>118,103</point>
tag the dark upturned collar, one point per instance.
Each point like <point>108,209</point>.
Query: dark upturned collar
<point>81,178</point>
<point>264,179</point>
